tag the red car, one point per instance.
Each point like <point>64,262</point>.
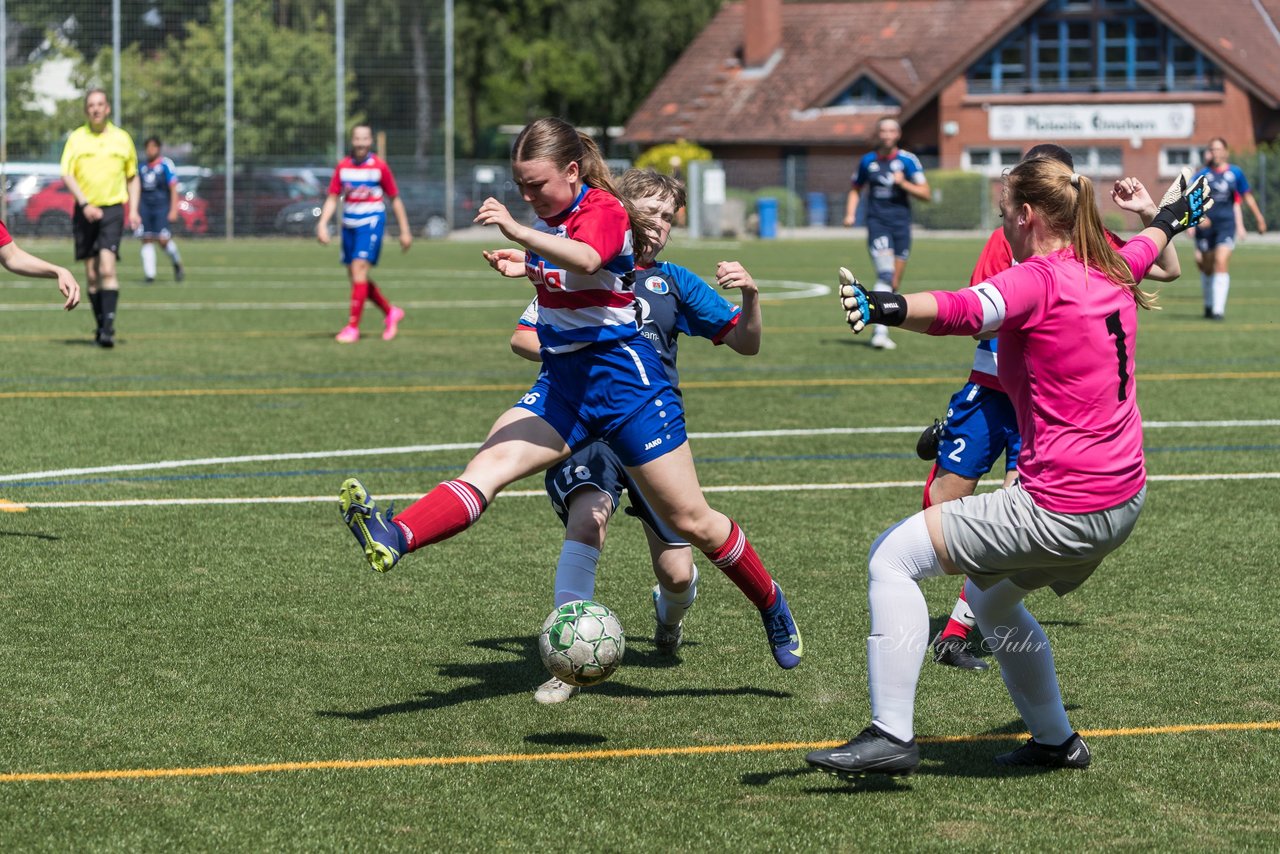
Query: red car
<point>48,211</point>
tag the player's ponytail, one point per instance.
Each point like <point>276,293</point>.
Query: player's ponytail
<point>1068,204</point>
<point>554,139</point>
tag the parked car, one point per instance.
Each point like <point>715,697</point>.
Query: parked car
<point>47,212</point>
<point>260,199</point>
<point>423,203</point>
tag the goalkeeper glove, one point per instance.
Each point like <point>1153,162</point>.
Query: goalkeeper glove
<point>1184,204</point>
<point>861,307</point>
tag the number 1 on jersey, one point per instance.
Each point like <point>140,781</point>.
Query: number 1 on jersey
<point>1122,354</point>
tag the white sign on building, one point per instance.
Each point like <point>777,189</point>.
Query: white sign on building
<point>1098,121</point>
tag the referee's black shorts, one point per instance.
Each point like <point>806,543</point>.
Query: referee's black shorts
<point>93,237</point>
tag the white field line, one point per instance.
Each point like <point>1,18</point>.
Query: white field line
<point>533,493</point>
<point>464,446</point>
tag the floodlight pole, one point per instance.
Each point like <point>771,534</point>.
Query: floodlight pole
<point>448,113</point>
<point>340,63</point>
<point>228,120</point>
<point>4,108</point>
<point>115,63</point>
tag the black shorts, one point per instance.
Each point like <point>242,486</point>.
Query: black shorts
<point>94,237</point>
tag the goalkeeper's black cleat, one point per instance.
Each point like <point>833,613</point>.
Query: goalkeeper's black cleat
<point>1073,753</point>
<point>927,444</point>
<point>870,752</point>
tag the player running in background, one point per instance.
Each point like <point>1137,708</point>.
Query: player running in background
<point>600,379</point>
<point>23,263</point>
<point>892,177</point>
<point>1216,233</point>
<point>586,487</point>
<point>1067,320</point>
<point>981,423</point>
<point>363,181</point>
<point>158,207</point>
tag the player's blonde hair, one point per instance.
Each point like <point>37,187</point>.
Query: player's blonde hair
<point>641,183</point>
<point>1068,204</point>
<point>553,139</point>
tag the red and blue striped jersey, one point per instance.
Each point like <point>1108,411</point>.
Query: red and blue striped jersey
<point>363,186</point>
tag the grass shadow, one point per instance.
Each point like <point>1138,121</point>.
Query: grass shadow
<point>521,674</point>
<point>32,534</point>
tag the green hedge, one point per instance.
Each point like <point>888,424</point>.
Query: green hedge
<point>958,201</point>
<point>1262,168</point>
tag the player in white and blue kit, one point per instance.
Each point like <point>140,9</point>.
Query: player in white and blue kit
<point>886,181</point>
<point>158,207</point>
<point>1216,234</point>
<point>586,489</point>
<point>601,379</point>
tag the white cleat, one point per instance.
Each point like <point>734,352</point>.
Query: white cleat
<point>554,691</point>
<point>883,342</point>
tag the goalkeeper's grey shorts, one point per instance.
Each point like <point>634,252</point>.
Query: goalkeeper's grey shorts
<point>1003,534</point>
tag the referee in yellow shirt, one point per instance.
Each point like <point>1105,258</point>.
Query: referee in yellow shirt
<point>100,168</point>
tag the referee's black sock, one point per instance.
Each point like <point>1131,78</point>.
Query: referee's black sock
<point>109,298</point>
<point>95,298</point>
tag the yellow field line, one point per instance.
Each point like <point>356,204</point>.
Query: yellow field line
<point>441,389</point>
<point>572,756</point>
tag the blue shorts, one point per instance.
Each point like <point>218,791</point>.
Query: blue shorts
<point>895,237</point>
<point>363,242</point>
<point>155,220</point>
<point>981,425</point>
<point>597,466</point>
<point>1219,233</point>
<point>615,391</point>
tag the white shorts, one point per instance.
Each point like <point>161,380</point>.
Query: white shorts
<point>1003,534</point>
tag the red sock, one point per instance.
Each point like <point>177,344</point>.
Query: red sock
<point>957,628</point>
<point>933,472</point>
<point>378,299</point>
<point>359,290</point>
<point>449,509</point>
<point>739,561</point>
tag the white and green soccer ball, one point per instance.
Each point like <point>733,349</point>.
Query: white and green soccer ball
<point>581,642</point>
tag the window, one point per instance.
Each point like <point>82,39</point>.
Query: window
<point>1174,158</point>
<point>990,161</point>
<point>1093,46</point>
<point>1098,161</point>
<point>864,92</point>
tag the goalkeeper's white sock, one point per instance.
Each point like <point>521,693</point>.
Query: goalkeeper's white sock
<point>1026,662</point>
<point>671,607</point>
<point>900,558</point>
<point>1221,284</point>
<point>879,330</point>
<point>576,572</point>
<point>149,260</point>
<point>171,248</point>
<point>1206,288</point>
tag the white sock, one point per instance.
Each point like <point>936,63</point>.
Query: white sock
<point>900,558</point>
<point>879,330</point>
<point>671,607</point>
<point>1221,284</point>
<point>576,572</point>
<point>1206,288</point>
<point>1026,662</point>
<point>149,260</point>
<point>171,248</point>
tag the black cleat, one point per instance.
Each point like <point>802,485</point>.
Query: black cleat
<point>149,280</point>
<point>1208,312</point>
<point>871,752</point>
<point>927,444</point>
<point>1073,753</point>
<point>954,652</point>
<point>106,337</point>
<point>178,273</point>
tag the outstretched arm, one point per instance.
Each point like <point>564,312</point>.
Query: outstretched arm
<point>23,263</point>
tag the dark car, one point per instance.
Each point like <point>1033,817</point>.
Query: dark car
<point>423,204</point>
<point>260,199</point>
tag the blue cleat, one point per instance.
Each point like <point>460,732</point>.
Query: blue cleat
<point>780,629</point>
<point>382,541</point>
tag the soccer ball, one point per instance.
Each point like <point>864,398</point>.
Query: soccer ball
<point>581,642</point>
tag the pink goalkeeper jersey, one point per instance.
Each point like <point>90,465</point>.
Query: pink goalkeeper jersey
<point>1066,343</point>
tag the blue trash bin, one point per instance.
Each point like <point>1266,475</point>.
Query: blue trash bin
<point>767,209</point>
<point>817,204</point>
